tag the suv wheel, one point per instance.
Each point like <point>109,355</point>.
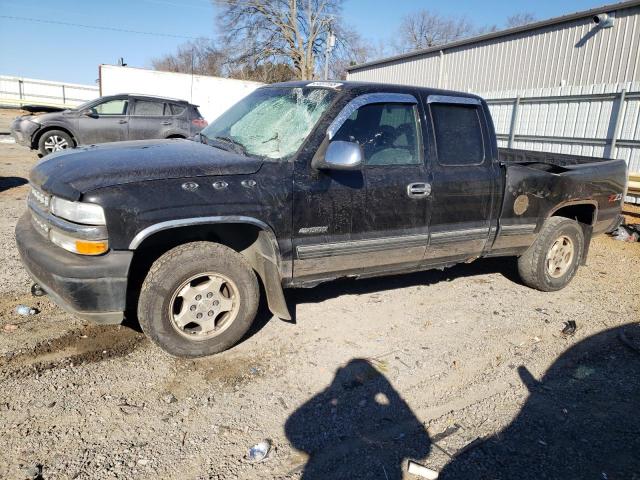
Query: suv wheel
<point>198,299</point>
<point>553,259</point>
<point>54,141</point>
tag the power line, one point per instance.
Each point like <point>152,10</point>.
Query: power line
<point>97,27</point>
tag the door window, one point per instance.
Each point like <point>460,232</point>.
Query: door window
<point>175,109</point>
<point>145,108</point>
<point>387,132</point>
<point>458,134</point>
<point>112,107</point>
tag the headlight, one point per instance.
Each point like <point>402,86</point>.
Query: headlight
<point>76,245</point>
<point>34,120</point>
<point>79,212</point>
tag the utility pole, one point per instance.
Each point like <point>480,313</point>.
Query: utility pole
<point>331,43</point>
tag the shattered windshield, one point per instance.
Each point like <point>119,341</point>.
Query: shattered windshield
<point>270,122</point>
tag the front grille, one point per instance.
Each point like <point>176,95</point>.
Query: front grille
<point>41,226</point>
<point>40,198</point>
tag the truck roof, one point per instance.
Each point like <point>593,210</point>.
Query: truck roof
<point>371,87</point>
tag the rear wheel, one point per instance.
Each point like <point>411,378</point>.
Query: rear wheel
<point>198,299</point>
<point>54,141</point>
<point>553,259</point>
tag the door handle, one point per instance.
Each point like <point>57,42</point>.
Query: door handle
<point>418,190</point>
<point>123,121</point>
<point>167,122</point>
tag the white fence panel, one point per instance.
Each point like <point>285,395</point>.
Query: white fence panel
<point>25,91</point>
<point>214,95</point>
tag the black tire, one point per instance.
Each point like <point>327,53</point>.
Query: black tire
<point>47,139</point>
<point>169,273</point>
<point>533,266</point>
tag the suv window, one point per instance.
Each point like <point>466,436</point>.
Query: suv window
<point>387,132</point>
<point>458,134</point>
<point>176,109</point>
<point>148,109</point>
<point>112,107</point>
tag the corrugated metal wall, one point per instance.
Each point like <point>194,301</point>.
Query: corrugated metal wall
<point>571,53</point>
<point>577,120</point>
<point>568,76</point>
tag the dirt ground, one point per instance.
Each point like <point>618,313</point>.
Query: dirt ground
<point>465,371</point>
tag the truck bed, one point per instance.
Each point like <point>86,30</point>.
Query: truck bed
<point>543,182</point>
<point>513,155</point>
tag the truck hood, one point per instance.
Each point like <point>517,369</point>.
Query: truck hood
<point>71,173</point>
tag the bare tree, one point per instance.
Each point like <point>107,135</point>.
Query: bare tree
<point>201,57</point>
<point>520,19</point>
<point>426,29</point>
<point>265,72</point>
<point>279,31</point>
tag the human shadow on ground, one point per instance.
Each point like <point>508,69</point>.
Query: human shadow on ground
<point>357,428</point>
<point>7,183</point>
<point>581,420</point>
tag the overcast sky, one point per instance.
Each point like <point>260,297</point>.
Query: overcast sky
<point>53,51</point>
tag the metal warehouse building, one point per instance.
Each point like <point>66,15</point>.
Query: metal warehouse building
<point>569,84</point>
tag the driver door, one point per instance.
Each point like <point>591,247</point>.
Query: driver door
<point>105,122</point>
<point>373,218</point>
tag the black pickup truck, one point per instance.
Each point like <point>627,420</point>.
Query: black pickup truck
<point>301,183</point>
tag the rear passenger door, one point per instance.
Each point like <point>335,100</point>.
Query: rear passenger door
<point>149,119</point>
<point>464,178</point>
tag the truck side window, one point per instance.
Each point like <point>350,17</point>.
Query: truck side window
<point>387,132</point>
<point>458,134</point>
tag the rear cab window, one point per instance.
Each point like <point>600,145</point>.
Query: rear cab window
<point>458,134</point>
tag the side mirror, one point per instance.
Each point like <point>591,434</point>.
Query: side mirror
<point>90,113</point>
<point>340,155</point>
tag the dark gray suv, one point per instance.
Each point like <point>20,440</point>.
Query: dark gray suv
<point>109,119</point>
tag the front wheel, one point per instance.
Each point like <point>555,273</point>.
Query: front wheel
<point>54,141</point>
<point>553,259</point>
<point>198,299</point>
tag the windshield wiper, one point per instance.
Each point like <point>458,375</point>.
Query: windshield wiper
<point>198,137</point>
<point>237,146</point>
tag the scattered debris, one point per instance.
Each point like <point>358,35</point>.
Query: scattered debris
<point>569,328</point>
<point>260,451</point>
<point>10,327</point>
<point>627,233</point>
<point>422,471</point>
<point>169,398</point>
<point>582,372</point>
<point>446,433</point>
<point>33,472</point>
<point>24,310</point>
<point>37,291</point>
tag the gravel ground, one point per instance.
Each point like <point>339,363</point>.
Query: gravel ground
<point>465,371</point>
